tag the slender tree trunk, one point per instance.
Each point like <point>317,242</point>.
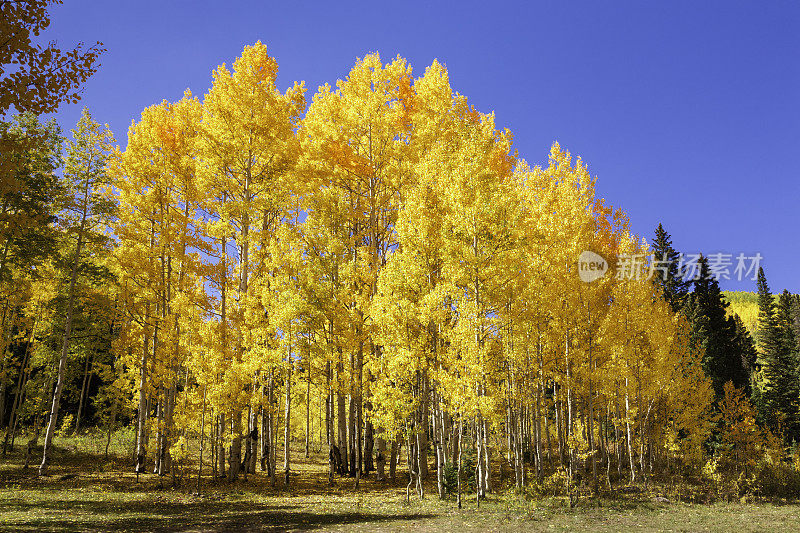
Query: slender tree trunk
<point>111,424</point>
<point>480,490</point>
<point>84,387</point>
<point>5,342</point>
<point>253,427</point>
<point>568,417</point>
<point>369,447</point>
<point>329,416</point>
<point>546,430</point>
<point>308,412</point>
<point>359,415</point>
<point>62,363</point>
<point>538,432</point>
<point>447,424</point>
<point>157,469</point>
<point>202,435</point>
<point>287,419</point>
<point>590,427</point>
<point>420,460</point>
<point>221,445</point>
<point>213,443</point>
<point>264,454</point>
<point>341,418</point>
<point>248,446</point>
<point>412,473</point>
<point>644,435</point>
<point>456,441</point>
<point>509,430</point>
<point>19,393</point>
<point>393,461</point>
<point>351,423</point>
<point>558,404</point>
<point>631,461</point>
<point>439,449</point>
<point>37,428</point>
<point>519,460</point>
<point>487,468</point>
<point>459,455</point>
<point>617,436</point>
<point>273,429</point>
<point>19,400</point>
<point>381,459</point>
<point>422,430</point>
<point>235,452</point>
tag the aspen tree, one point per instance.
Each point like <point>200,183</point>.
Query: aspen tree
<point>246,151</point>
<point>354,143</point>
<point>88,212</point>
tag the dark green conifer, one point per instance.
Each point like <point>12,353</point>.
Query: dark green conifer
<point>724,357</point>
<point>668,275</point>
<point>781,389</point>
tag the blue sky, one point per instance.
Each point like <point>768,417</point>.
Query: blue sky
<point>687,112</point>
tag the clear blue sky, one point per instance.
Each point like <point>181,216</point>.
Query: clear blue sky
<point>687,112</point>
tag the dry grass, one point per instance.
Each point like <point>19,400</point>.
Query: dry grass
<point>87,493</point>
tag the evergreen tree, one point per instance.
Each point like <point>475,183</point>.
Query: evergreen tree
<point>715,333</point>
<point>796,317</point>
<point>766,334</point>
<point>747,349</point>
<point>765,339</point>
<point>669,276</point>
<point>781,389</point>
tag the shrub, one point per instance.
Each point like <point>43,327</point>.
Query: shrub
<point>776,481</point>
<point>551,486</point>
<point>468,459</point>
<point>66,426</point>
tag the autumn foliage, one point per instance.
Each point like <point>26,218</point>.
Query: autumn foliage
<point>384,259</point>
<point>390,253</point>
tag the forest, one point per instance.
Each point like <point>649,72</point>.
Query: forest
<point>366,285</point>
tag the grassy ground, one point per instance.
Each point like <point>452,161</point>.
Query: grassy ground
<point>87,493</point>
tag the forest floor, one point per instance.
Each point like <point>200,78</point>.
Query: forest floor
<point>85,492</point>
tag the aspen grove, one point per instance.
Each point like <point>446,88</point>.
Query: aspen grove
<point>374,272</point>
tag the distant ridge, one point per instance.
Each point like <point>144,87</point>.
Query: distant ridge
<point>744,304</point>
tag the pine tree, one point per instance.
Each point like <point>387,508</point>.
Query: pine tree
<point>766,334</point>
<point>781,389</point>
<point>796,317</point>
<point>715,332</point>
<point>668,275</point>
<point>747,349</point>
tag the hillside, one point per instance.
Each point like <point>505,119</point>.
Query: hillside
<point>744,304</point>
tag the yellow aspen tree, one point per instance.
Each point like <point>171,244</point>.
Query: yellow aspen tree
<point>741,437</point>
<point>478,245</point>
<point>567,227</point>
<point>246,152</point>
<point>155,177</point>
<point>354,141</point>
<point>407,312</point>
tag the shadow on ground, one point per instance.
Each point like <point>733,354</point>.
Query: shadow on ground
<point>196,516</point>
